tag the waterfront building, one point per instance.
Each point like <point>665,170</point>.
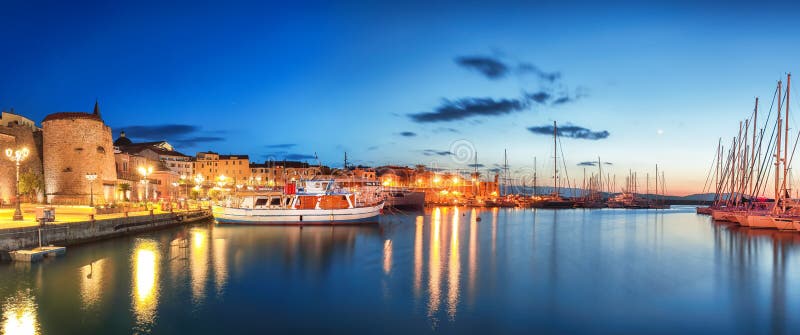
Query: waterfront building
<point>226,169</point>
<point>279,173</point>
<point>161,151</point>
<point>18,132</point>
<point>75,144</point>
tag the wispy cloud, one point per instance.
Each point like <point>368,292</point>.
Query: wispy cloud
<point>446,129</point>
<point>281,155</point>
<point>473,165</point>
<point>490,67</point>
<point>300,156</point>
<point>538,97</point>
<point>592,163</point>
<point>464,108</point>
<point>543,75</point>
<point>159,132</point>
<point>282,146</point>
<point>571,131</point>
<point>432,152</point>
<point>194,141</point>
<point>182,135</point>
<point>407,134</point>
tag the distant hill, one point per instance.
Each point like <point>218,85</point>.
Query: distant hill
<point>692,199</point>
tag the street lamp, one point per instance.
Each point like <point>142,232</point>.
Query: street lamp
<point>145,172</point>
<point>198,180</point>
<point>17,156</point>
<point>91,177</point>
<point>175,187</point>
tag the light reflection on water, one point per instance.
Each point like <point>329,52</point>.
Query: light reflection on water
<point>446,271</point>
<point>20,314</point>
<point>145,260</point>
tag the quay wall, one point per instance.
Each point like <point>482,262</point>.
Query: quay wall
<point>66,234</point>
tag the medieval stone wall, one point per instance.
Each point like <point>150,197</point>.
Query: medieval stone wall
<point>16,136</point>
<point>74,147</point>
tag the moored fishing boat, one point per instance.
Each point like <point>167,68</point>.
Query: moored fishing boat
<point>313,202</point>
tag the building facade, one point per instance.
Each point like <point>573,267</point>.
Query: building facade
<point>16,133</point>
<point>226,169</point>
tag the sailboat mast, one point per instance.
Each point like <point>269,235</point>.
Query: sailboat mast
<point>778,151</point>
<point>600,177</point>
<point>753,149</point>
<point>555,159</point>
<point>786,191</point>
<point>534,176</point>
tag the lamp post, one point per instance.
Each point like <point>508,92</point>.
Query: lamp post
<point>198,180</point>
<point>17,156</point>
<point>91,177</point>
<point>185,185</point>
<point>145,172</point>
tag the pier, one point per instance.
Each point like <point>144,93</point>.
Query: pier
<point>74,227</point>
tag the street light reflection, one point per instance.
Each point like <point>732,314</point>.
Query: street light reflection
<point>19,315</point>
<point>145,278</point>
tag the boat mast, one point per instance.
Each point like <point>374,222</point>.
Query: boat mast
<point>786,192</point>
<point>534,175</point>
<point>555,160</point>
<point>753,150</point>
<point>778,152</point>
<point>719,158</point>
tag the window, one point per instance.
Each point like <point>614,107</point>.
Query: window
<point>67,169</point>
<point>101,150</point>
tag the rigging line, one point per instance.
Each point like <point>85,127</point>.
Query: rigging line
<point>564,161</point>
<point>767,161</point>
<point>711,171</point>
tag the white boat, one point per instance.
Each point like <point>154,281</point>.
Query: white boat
<point>315,202</point>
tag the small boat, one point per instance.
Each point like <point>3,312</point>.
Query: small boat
<point>703,210</point>
<point>303,203</point>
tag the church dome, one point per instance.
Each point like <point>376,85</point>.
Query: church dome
<point>122,140</point>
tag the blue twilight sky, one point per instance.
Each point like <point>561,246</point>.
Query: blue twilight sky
<point>407,83</point>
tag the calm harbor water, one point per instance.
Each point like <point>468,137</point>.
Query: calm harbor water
<point>442,271</point>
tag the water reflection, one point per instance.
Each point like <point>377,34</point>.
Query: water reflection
<point>387,256</point>
<point>454,265</point>
<point>20,314</point>
<point>145,260</point>
<point>91,280</point>
<point>739,251</point>
<point>418,256</point>
<point>434,266</point>
<point>473,254</point>
<point>199,264</point>
<point>220,253</point>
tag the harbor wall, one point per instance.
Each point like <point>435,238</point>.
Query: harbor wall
<point>65,234</point>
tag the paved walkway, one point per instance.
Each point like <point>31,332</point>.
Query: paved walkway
<point>64,215</point>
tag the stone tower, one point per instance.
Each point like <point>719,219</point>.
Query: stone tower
<point>76,144</point>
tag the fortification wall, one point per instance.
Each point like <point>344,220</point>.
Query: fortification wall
<point>17,136</point>
<point>74,147</point>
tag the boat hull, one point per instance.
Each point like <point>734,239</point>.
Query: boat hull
<point>361,215</point>
<point>760,221</point>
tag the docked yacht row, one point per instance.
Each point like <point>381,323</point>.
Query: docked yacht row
<point>754,161</point>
